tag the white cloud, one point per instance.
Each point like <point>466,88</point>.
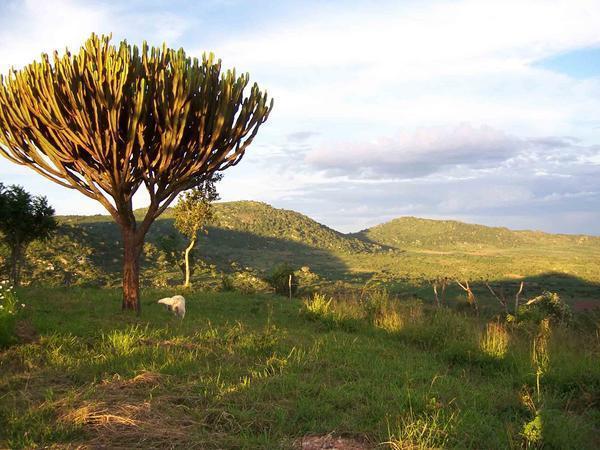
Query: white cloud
<point>34,26</point>
<point>418,153</point>
<point>345,80</point>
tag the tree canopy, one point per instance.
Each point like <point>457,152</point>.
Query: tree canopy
<point>111,119</point>
<point>23,219</point>
<point>192,213</point>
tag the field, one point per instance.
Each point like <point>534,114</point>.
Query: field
<point>362,352</point>
<point>262,371</point>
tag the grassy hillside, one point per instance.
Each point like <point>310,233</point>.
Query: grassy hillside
<point>405,254</point>
<point>247,233</point>
<point>262,372</point>
<point>415,233</point>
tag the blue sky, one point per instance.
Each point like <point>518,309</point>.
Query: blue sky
<point>482,111</point>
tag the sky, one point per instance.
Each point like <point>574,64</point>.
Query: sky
<point>482,111</point>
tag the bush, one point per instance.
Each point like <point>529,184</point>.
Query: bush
<point>308,281</point>
<point>280,280</point>
<point>548,305</point>
<point>317,307</point>
<point>9,309</point>
<point>376,305</point>
<point>248,282</point>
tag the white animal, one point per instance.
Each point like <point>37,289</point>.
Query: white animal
<point>175,304</point>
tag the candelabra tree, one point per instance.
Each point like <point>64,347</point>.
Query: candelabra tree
<point>113,118</point>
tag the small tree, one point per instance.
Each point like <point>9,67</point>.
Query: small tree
<point>23,219</point>
<point>192,213</point>
<point>109,120</point>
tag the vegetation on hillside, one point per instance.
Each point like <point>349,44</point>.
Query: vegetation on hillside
<point>415,233</point>
<point>251,239</point>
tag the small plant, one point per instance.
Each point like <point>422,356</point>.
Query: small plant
<point>391,321</point>
<point>540,355</point>
<point>430,429</point>
<point>540,360</point>
<point>532,432</point>
<point>376,304</point>
<point>318,306</point>
<point>494,341</point>
<point>9,309</point>
<point>548,305</point>
<point>283,280</point>
<point>124,342</point>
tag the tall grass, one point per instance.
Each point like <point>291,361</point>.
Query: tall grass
<point>495,339</point>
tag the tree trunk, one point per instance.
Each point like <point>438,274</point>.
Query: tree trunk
<point>187,262</point>
<point>131,270</point>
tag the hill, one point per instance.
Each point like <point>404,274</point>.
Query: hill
<point>405,253</point>
<point>412,232</point>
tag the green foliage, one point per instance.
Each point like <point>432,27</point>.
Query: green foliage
<point>194,209</point>
<point>495,340</point>
<point>23,219</point>
<point>66,259</point>
<point>548,305</point>
<point>415,233</point>
<point>263,220</point>
<point>255,236</point>
<point>247,282</point>
<point>317,307</point>
<point>283,279</point>
<point>376,303</point>
<point>165,253</point>
<point>532,431</point>
<point>429,430</point>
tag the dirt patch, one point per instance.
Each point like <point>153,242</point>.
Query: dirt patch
<point>586,305</point>
<point>331,442</point>
<point>514,276</point>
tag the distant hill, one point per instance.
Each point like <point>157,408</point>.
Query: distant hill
<point>260,219</point>
<point>250,233</point>
<point>415,233</point>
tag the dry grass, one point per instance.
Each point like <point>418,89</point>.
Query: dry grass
<point>112,418</point>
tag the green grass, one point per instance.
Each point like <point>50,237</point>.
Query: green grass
<point>262,371</point>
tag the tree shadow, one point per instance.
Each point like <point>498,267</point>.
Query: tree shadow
<point>580,293</point>
<point>220,247</point>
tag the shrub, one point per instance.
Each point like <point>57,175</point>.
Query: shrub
<point>247,282</point>
<point>280,280</point>
<point>548,305</point>
<point>376,305</point>
<point>308,282</point>
<point>9,309</point>
<point>317,307</point>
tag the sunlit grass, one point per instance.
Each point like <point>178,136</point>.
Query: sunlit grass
<point>260,372</point>
<point>495,339</point>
